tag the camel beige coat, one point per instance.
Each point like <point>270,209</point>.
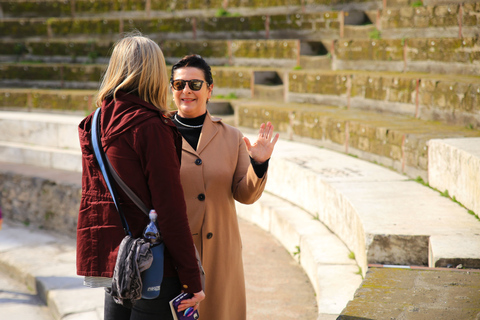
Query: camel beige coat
<point>215,175</point>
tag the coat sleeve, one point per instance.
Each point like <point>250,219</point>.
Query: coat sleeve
<point>247,187</point>
<point>161,167</point>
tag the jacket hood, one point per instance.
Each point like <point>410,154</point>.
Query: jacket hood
<point>118,116</point>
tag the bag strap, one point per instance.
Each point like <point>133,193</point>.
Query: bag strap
<point>126,189</point>
<point>108,171</point>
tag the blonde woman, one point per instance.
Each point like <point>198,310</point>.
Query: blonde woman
<point>144,147</point>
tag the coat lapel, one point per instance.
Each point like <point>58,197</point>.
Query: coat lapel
<point>187,147</point>
<point>209,131</point>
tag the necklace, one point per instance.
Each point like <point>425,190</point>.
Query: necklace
<point>187,125</point>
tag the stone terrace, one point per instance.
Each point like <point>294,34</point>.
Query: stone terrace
<point>386,82</point>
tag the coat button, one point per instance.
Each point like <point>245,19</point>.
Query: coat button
<point>201,197</point>
<point>198,162</point>
<point>209,235</point>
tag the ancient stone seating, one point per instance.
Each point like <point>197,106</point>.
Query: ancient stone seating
<point>384,81</point>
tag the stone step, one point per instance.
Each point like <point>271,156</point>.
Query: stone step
<point>258,52</point>
<point>433,55</point>
<point>396,141</point>
<point>136,8</point>
<point>46,157</point>
<point>452,99</point>
<point>314,25</point>
<point>228,80</point>
<point>440,55</point>
<point>40,139</point>
<point>321,254</point>
<point>416,293</point>
<point>69,76</point>
<point>439,20</point>
<point>58,101</point>
<point>406,3</point>
<point>40,129</point>
<point>381,216</point>
<point>454,169</point>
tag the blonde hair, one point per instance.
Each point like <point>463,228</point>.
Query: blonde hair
<point>137,65</point>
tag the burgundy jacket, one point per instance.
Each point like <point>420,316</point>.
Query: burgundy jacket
<point>145,149</point>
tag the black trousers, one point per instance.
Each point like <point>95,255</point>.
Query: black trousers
<point>143,309</point>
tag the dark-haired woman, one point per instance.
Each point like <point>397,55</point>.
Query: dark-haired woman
<point>219,166</point>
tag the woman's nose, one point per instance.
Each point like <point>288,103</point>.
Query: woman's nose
<point>187,88</point>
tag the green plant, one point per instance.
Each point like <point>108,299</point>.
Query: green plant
<point>417,4</point>
<point>359,272</point>
<point>297,251</point>
<point>447,195</point>
<point>351,255</point>
<point>420,180</point>
<point>474,214</point>
<point>375,34</point>
<point>222,13</point>
<point>231,95</point>
<point>297,68</point>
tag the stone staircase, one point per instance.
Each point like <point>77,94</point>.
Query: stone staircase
<point>394,83</point>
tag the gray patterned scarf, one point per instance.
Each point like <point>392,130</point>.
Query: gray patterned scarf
<point>134,256</point>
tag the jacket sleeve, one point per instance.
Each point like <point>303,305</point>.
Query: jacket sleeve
<point>161,167</point>
<point>247,187</point>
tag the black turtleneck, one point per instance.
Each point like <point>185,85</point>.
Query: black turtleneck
<point>190,128</point>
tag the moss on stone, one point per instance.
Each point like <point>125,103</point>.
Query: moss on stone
<point>22,28</point>
<point>237,78</point>
<point>205,48</point>
<point>266,49</point>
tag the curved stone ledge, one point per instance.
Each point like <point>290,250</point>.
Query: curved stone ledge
<point>454,167</point>
<point>322,255</point>
<point>380,215</point>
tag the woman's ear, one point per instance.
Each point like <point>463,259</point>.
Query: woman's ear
<point>210,89</point>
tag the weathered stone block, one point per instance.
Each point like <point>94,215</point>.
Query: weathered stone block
<point>13,98</point>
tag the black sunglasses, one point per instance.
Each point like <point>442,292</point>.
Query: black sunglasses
<point>194,84</point>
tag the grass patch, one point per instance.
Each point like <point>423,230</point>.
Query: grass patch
<point>297,251</point>
<point>417,4</point>
<point>447,195</point>
<point>375,34</point>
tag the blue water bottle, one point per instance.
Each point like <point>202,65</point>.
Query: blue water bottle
<point>153,276</point>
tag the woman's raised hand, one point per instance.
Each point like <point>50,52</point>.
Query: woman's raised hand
<point>262,149</point>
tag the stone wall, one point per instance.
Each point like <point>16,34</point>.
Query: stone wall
<point>40,201</point>
<point>67,100</point>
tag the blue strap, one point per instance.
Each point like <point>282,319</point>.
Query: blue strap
<point>100,156</point>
